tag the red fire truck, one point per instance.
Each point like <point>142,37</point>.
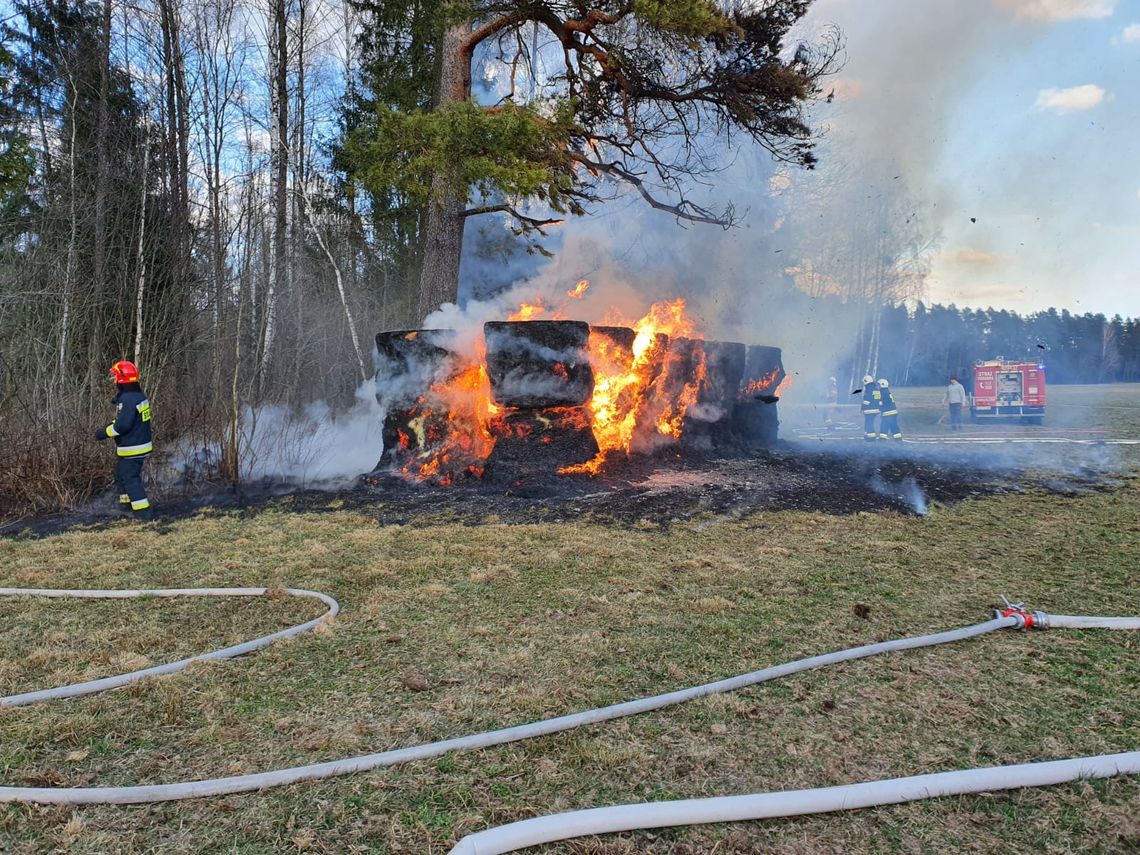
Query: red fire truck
<point>1008,388</point>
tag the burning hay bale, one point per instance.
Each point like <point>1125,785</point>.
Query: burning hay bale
<point>538,443</point>
<point>546,397</point>
<point>408,364</point>
<point>708,421</point>
<point>755,417</point>
<point>539,363</point>
<point>541,372</point>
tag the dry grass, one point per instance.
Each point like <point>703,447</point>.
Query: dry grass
<point>449,630</point>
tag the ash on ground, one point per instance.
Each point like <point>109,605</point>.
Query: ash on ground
<point>659,491</point>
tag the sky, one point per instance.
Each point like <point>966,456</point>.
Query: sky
<point>1016,125</point>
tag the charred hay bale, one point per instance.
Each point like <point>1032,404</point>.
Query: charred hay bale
<point>616,342</point>
<point>724,367</point>
<point>755,418</point>
<point>763,370</point>
<point>756,423</point>
<point>715,367</point>
<point>539,364</point>
<point>536,443</point>
<point>681,365</point>
<point>408,362</point>
<point>718,367</point>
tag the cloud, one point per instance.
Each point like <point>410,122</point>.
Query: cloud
<point>1069,100</point>
<point>1051,11</point>
<point>1131,34</point>
<point>1006,295</point>
<point>969,255</point>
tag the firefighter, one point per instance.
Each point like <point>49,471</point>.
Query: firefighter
<point>889,424</point>
<point>872,399</point>
<point>132,435</point>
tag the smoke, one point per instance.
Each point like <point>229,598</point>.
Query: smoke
<point>868,224</point>
<point>906,491</point>
<point>316,447</point>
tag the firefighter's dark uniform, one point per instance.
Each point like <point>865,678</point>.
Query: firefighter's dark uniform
<point>889,425</point>
<point>872,406</point>
<point>133,444</point>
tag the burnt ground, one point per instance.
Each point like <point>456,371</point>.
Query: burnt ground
<point>844,478</point>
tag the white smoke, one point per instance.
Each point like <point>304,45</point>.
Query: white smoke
<point>316,446</point>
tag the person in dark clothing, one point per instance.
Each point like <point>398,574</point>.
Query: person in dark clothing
<point>872,405</point>
<point>134,442</point>
<point>889,424</point>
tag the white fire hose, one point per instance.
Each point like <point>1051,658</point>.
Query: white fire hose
<point>92,686</point>
<point>609,820</point>
<point>599,820</point>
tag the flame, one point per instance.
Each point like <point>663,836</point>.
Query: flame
<point>528,311</point>
<point>640,391</point>
<point>641,396</point>
<point>452,426</point>
<point>540,308</point>
<point>764,382</point>
<point>785,384</point>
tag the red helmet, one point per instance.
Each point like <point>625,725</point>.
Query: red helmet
<point>125,371</point>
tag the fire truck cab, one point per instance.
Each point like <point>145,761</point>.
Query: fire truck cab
<point>1008,388</point>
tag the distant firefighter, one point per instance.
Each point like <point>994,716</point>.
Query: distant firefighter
<point>872,406</point>
<point>889,424</point>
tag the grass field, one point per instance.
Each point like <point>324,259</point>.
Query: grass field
<point>448,630</point>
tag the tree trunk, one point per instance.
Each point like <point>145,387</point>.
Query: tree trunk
<point>101,285</point>
<point>443,233</point>
<point>141,290</point>
<point>72,250</point>
<point>279,171</point>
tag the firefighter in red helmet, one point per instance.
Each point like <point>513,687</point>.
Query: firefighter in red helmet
<point>131,431</point>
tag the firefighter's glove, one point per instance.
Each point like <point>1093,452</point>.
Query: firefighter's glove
<point>101,434</point>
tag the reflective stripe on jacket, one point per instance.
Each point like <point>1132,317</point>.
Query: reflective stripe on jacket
<point>131,427</point>
<point>890,408</point>
<point>872,399</point>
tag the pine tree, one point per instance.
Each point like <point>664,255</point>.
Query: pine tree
<point>642,87</point>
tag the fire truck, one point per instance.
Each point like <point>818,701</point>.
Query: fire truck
<point>1005,388</point>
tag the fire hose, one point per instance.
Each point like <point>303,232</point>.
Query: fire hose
<point>549,829</point>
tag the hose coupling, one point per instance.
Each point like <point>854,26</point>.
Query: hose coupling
<point>1025,619</point>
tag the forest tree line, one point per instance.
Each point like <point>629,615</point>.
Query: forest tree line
<point>926,345</point>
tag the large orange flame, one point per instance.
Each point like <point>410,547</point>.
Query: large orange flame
<point>452,426</point>
<point>639,392</point>
<point>640,398</point>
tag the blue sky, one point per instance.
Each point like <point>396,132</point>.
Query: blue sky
<point>1021,114</point>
